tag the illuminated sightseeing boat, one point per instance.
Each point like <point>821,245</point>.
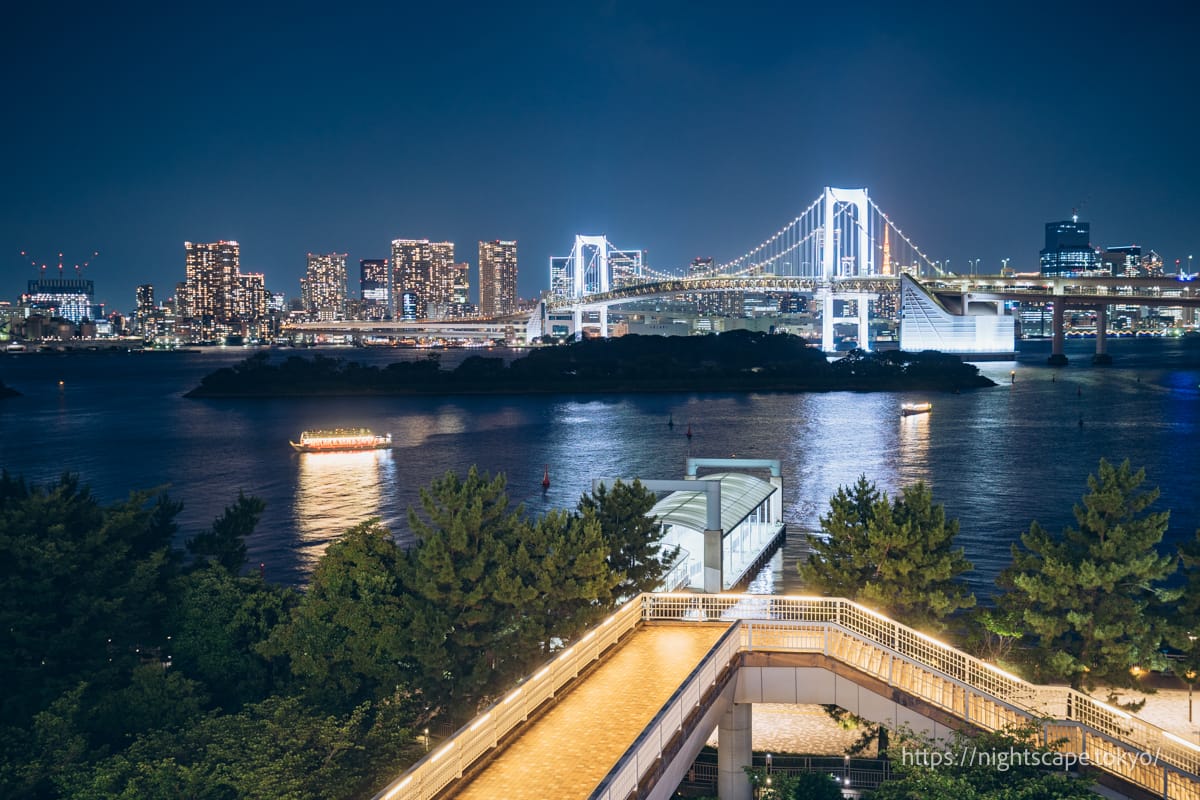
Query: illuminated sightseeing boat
<point>341,439</point>
<point>908,409</point>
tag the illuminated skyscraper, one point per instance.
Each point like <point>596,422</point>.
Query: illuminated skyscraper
<point>210,280</point>
<point>375,287</point>
<point>412,266</point>
<point>323,287</point>
<point>497,277</point>
<point>144,310</point>
<point>1068,249</point>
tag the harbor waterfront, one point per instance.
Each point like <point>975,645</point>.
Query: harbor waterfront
<point>997,458</point>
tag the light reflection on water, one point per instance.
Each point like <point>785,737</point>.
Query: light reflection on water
<point>335,492</point>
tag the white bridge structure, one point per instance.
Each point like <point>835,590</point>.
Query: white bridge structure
<point>841,249</point>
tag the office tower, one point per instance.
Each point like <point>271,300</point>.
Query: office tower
<point>625,267</point>
<point>323,287</point>
<point>1122,261</point>
<point>721,304</point>
<point>462,283</point>
<point>375,287</point>
<point>1068,249</point>
<point>412,264</point>
<point>497,277</point>
<point>211,276</point>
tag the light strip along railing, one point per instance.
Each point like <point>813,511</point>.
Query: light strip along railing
<point>964,686</point>
<point>647,750</point>
<point>435,771</point>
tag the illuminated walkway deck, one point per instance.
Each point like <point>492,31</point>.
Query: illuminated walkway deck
<point>568,751</point>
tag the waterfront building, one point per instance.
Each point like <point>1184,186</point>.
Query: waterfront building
<point>323,288</point>
<point>69,298</point>
<point>1068,249</point>
<point>412,265</point>
<point>211,279</point>
<point>497,277</point>
<point>925,324</point>
<point>375,288</point>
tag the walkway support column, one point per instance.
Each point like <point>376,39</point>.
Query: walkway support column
<point>714,561</point>
<point>604,322</point>
<point>577,329</point>
<point>1057,357</point>
<point>1102,356</point>
<point>734,751</point>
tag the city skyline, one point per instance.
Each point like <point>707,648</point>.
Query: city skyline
<point>978,130</point>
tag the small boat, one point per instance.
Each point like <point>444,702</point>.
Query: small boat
<point>546,478</point>
<point>908,409</point>
<point>689,431</point>
<point>336,439</point>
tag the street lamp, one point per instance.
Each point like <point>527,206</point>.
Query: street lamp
<point>426,740</point>
<point>1004,263</point>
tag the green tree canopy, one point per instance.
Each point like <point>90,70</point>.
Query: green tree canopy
<point>225,541</point>
<point>83,589</point>
<point>488,593</point>
<point>345,641</point>
<point>895,555</point>
<point>1091,597</point>
<point>633,540</point>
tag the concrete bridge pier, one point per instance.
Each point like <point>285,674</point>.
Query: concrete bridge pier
<point>1057,358</point>
<point>735,748</point>
<point>827,343</point>
<point>604,321</point>
<point>1102,356</point>
<point>864,322</point>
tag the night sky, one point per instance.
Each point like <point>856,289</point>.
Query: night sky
<point>682,128</point>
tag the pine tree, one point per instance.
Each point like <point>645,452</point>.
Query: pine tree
<point>1091,597</point>
<point>633,540</point>
<point>897,556</point>
<point>841,564</point>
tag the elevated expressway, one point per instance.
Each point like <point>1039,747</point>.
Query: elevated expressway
<point>624,711</point>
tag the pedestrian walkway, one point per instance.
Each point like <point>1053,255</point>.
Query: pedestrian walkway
<point>576,743</point>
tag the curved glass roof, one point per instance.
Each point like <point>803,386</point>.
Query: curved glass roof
<point>740,494</point>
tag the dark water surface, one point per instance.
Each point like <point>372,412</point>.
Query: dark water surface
<point>997,458</point>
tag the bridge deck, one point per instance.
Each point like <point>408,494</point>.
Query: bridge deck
<point>569,750</point>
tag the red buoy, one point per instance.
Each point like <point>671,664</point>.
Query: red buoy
<point>546,478</point>
<point>689,430</point>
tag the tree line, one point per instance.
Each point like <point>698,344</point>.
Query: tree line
<point>1094,604</point>
<point>731,361</point>
<point>135,669</point>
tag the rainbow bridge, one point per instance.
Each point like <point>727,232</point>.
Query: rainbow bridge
<point>624,711</point>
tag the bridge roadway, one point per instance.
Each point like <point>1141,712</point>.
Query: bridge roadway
<point>623,712</point>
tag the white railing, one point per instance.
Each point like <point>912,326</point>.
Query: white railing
<point>900,656</point>
<point>433,772</point>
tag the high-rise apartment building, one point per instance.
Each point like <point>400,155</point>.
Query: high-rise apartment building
<point>323,287</point>
<point>250,300</point>
<point>412,264</point>
<point>211,279</point>
<point>497,277</point>
<point>144,310</point>
<point>1068,249</point>
<point>375,287</point>
<point>441,279</point>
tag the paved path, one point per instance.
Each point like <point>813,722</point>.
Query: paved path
<point>568,751</point>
